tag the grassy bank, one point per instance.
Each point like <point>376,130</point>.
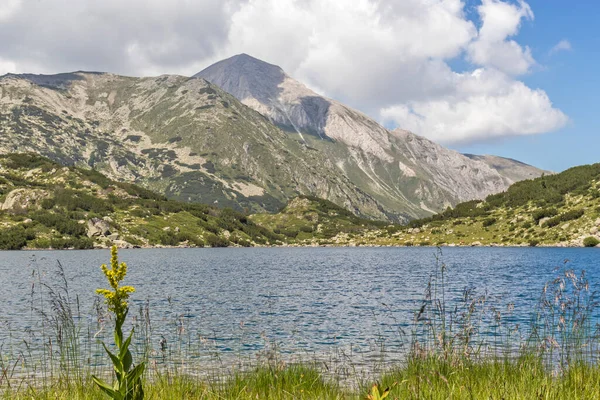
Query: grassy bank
<point>431,378</point>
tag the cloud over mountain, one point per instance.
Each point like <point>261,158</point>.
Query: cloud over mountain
<point>391,59</point>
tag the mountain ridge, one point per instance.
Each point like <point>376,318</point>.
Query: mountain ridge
<point>193,141</point>
<point>395,167</point>
<point>178,135</point>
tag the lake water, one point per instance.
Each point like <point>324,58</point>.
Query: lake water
<point>308,301</point>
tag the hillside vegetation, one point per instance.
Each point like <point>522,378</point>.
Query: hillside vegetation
<point>46,205</point>
<point>310,220</point>
<point>561,209</point>
<point>554,210</point>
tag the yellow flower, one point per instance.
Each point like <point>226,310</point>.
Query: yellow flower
<point>117,299</point>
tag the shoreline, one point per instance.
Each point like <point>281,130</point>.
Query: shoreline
<point>548,246</point>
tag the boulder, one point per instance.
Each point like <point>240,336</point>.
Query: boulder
<point>97,227</point>
<point>113,236</point>
<point>593,230</point>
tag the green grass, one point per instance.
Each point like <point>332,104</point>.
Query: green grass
<point>429,378</point>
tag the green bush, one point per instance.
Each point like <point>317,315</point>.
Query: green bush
<point>590,241</point>
<point>544,213</point>
<point>72,243</point>
<point>565,217</point>
<point>534,242</point>
<point>15,238</point>
<point>216,241</point>
<point>60,222</point>
<point>488,222</point>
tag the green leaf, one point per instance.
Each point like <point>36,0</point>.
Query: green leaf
<point>125,346</point>
<point>107,389</point>
<point>127,361</point>
<point>136,373</point>
<point>116,362</point>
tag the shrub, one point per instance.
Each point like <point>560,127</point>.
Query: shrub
<point>15,238</point>
<point>534,242</point>
<point>72,243</point>
<point>216,241</point>
<point>590,241</point>
<point>488,222</point>
<point>544,213</point>
<point>565,217</point>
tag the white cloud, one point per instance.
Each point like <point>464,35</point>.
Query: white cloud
<point>486,104</point>
<point>8,8</point>
<point>563,45</point>
<point>7,66</point>
<point>128,37</point>
<point>375,49</point>
<point>376,55</point>
<point>501,20</point>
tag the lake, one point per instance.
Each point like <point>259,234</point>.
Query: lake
<point>310,302</point>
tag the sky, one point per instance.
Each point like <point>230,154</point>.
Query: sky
<point>506,77</point>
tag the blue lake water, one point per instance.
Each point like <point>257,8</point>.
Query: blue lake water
<point>301,300</point>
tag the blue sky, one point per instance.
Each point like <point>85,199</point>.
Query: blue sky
<point>571,80</point>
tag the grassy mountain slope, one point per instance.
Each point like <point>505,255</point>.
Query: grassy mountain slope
<point>310,220</point>
<point>554,210</point>
<point>46,205</point>
<point>561,209</point>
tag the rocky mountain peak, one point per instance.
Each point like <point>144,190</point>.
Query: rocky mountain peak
<point>245,77</point>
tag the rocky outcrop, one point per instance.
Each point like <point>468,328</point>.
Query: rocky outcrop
<point>23,199</point>
<point>98,227</point>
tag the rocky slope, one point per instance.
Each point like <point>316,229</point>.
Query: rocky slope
<point>401,170</point>
<point>180,136</point>
<point>512,170</point>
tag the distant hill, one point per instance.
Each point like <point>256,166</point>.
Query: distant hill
<point>178,136</point>
<point>253,147</point>
<point>46,205</point>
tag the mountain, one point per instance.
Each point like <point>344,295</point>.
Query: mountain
<point>192,141</point>
<point>512,170</point>
<point>399,169</point>
<point>180,136</point>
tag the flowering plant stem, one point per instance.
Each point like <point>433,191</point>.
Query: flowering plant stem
<point>128,384</point>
